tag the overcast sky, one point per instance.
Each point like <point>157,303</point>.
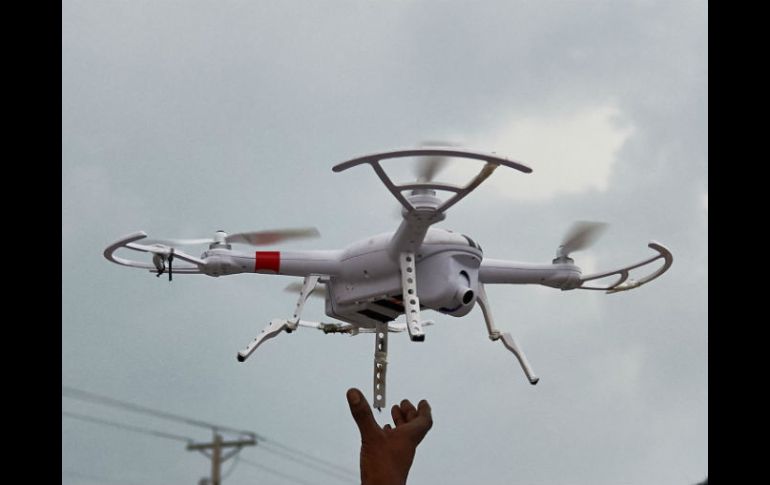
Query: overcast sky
<point>183,117</point>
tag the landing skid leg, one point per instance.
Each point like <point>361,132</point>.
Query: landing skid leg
<point>308,285</point>
<point>411,301</point>
<point>380,365</point>
<point>276,326</point>
<point>507,339</point>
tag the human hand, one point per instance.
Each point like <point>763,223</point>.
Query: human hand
<point>387,453</point>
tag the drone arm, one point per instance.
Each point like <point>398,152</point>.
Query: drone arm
<point>177,253</point>
<point>498,271</point>
<point>418,218</point>
<point>623,283</point>
<point>411,233</point>
<point>293,263</point>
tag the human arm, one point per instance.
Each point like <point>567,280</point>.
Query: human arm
<point>387,452</point>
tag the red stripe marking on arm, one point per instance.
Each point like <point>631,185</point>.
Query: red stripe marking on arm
<point>267,260</point>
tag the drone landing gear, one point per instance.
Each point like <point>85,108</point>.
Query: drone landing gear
<point>278,325</point>
<point>380,364</point>
<point>411,301</point>
<point>506,338</point>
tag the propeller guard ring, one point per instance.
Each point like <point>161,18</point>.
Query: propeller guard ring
<point>492,162</point>
<point>129,242</point>
<point>623,283</point>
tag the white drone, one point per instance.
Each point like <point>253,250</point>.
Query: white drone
<point>372,282</point>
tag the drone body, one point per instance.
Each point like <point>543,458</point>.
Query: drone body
<point>372,282</point>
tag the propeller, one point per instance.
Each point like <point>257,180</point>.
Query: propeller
<point>254,238</point>
<point>159,258</point>
<point>428,167</point>
<point>425,170</point>
<point>580,236</point>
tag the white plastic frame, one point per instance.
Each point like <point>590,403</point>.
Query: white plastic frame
<point>621,284</point>
<point>129,243</point>
<point>374,160</point>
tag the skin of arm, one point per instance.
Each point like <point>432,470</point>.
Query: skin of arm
<point>387,452</point>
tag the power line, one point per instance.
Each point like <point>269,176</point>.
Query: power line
<point>266,441</point>
<point>286,476</point>
<point>163,434</point>
<point>346,477</point>
<point>95,478</point>
<point>136,429</point>
<point>81,395</point>
<point>216,447</point>
<point>232,467</point>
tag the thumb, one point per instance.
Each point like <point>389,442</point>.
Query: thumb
<point>362,414</point>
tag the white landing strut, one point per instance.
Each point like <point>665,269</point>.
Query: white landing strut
<point>380,365</point>
<point>411,301</point>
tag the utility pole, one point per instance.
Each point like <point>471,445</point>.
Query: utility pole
<point>214,450</point>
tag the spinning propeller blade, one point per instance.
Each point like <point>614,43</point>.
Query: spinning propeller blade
<point>254,238</point>
<point>580,236</point>
<point>428,167</point>
<point>180,242</point>
<point>260,238</point>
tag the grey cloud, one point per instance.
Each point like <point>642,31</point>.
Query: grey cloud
<point>186,117</point>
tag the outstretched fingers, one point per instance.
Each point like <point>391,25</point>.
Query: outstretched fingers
<point>422,423</point>
<point>408,410</point>
<point>362,414</point>
<point>414,422</point>
<point>398,417</point>
<point>424,411</point>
